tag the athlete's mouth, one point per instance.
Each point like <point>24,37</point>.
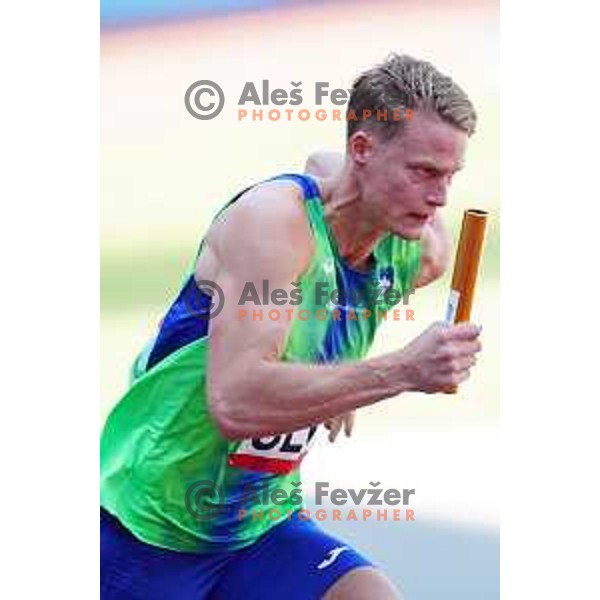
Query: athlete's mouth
<point>420,218</point>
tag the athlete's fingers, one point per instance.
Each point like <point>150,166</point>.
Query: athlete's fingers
<point>468,348</point>
<point>336,425</point>
<point>349,423</point>
<point>461,376</point>
<point>463,331</point>
<point>460,363</point>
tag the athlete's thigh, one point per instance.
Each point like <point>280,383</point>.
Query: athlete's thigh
<point>363,583</point>
<point>296,560</point>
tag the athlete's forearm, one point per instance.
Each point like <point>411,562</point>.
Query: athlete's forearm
<point>278,397</point>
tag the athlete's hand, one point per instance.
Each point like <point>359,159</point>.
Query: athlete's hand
<point>335,424</point>
<point>440,357</point>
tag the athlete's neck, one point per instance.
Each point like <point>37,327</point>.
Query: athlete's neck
<point>345,214</point>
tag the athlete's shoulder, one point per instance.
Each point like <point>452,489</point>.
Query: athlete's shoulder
<point>267,221</point>
<point>278,201</point>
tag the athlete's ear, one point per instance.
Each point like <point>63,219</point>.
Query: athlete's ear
<point>361,147</point>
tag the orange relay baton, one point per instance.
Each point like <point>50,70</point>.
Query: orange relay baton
<point>466,265</point>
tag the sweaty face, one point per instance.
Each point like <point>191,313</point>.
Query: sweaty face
<point>405,180</point>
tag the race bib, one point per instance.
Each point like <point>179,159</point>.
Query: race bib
<point>278,454</point>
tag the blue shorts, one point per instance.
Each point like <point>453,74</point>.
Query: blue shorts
<point>295,560</point>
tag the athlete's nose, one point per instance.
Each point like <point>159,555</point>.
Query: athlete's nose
<point>436,199</point>
<point>438,195</point>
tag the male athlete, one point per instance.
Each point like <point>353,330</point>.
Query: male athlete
<point>221,403</point>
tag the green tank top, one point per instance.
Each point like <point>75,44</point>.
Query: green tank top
<point>167,473</point>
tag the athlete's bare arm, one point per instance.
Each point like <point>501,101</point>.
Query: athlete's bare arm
<point>436,245</point>
<point>252,393</point>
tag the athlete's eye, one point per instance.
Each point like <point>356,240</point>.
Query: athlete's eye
<point>426,172</point>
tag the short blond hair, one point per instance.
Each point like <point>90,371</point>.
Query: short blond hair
<point>403,82</point>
